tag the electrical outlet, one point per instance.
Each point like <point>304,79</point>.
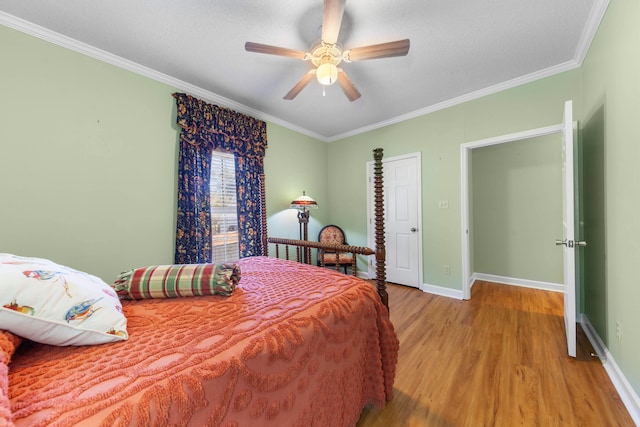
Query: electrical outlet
<point>619,330</point>
<point>443,204</point>
<point>446,270</point>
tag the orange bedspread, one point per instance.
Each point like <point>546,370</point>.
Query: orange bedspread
<point>295,345</point>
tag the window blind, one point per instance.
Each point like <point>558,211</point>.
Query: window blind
<point>224,216</point>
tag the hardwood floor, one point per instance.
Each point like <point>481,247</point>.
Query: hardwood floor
<point>496,360</point>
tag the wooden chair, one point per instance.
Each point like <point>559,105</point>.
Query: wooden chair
<point>333,234</point>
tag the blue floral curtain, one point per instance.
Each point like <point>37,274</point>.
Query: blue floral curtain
<point>204,128</point>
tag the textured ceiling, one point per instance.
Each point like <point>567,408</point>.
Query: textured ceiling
<point>459,50</point>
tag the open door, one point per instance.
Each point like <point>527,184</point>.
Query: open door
<point>568,185</point>
<point>568,242</point>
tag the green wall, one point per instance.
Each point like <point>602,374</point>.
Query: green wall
<point>89,157</point>
<point>294,163</point>
<point>611,87</point>
<point>438,137</point>
<point>517,209</point>
<point>88,160</point>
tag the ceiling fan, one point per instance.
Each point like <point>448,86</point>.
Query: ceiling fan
<point>328,54</point>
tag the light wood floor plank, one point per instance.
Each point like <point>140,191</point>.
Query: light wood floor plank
<point>496,360</point>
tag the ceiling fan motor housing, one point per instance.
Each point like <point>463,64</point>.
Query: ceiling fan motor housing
<point>324,53</point>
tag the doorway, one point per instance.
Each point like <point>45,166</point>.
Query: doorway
<point>466,196</point>
<point>516,205</point>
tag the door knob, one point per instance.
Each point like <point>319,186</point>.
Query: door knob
<point>413,229</point>
<point>570,243</point>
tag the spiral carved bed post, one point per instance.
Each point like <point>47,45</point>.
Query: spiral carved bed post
<point>381,270</point>
<point>263,217</point>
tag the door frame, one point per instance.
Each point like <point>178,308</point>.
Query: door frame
<point>465,153</point>
<point>371,210</point>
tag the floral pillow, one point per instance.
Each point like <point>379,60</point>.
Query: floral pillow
<point>54,304</point>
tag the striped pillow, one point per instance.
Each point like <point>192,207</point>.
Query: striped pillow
<point>178,280</point>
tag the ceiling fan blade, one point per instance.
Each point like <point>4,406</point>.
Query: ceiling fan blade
<point>331,20</point>
<point>346,85</point>
<point>274,50</point>
<point>304,81</point>
<point>374,51</point>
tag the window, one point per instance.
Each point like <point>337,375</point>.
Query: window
<point>224,215</point>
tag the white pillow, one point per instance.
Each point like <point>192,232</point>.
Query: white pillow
<point>53,304</point>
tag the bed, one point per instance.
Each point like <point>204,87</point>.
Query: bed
<point>291,345</point>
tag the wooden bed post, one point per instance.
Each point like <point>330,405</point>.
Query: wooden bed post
<point>380,251</point>
<point>263,215</point>
<point>381,255</point>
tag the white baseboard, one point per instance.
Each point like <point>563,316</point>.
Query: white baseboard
<point>627,394</point>
<point>457,294</point>
<point>431,289</point>
<point>526,283</point>
<point>442,291</point>
<point>597,344</point>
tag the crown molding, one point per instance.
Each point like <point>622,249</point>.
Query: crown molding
<point>104,56</point>
<point>595,18</point>
<point>593,22</point>
<point>569,65</point>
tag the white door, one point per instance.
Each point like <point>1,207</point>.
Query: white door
<point>402,219</point>
<point>568,243</point>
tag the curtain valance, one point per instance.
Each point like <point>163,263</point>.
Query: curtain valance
<point>204,123</point>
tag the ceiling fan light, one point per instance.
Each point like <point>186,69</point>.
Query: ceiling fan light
<point>327,73</point>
